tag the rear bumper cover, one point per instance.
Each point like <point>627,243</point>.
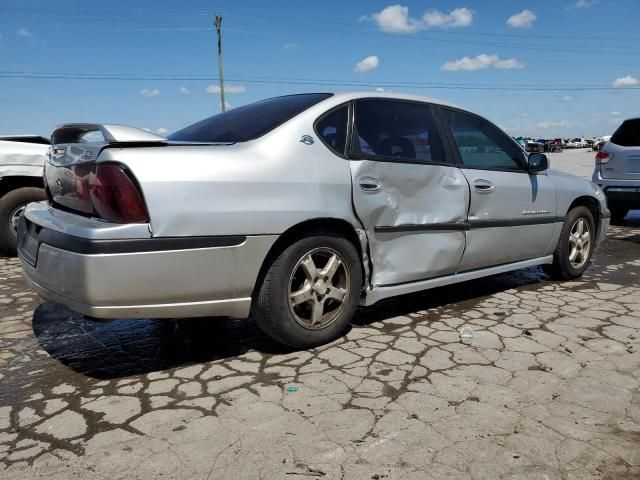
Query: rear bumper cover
<point>141,277</point>
<point>620,192</point>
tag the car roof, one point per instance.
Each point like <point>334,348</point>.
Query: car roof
<point>346,96</point>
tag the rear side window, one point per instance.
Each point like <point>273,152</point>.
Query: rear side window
<point>627,134</point>
<point>396,131</point>
<point>332,128</point>
<point>482,145</point>
<point>249,121</point>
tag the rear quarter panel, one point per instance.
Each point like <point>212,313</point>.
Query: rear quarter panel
<point>259,187</point>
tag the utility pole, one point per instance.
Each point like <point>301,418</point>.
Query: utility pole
<point>218,23</point>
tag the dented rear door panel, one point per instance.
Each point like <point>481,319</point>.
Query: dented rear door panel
<point>415,220</point>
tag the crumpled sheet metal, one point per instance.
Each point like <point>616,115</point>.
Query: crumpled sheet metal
<point>412,195</point>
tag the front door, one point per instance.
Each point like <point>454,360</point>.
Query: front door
<point>512,213</point>
<point>411,200</point>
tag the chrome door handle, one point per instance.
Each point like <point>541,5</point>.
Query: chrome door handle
<point>369,184</point>
<point>483,186</point>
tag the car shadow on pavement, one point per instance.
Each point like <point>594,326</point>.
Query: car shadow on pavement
<point>125,347</point>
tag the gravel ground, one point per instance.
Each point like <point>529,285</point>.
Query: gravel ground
<point>548,389</point>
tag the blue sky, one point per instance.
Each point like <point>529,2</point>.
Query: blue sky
<point>500,59</point>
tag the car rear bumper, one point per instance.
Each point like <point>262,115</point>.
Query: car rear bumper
<point>622,192</point>
<point>139,277</point>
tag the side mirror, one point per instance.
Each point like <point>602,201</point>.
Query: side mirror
<point>537,162</point>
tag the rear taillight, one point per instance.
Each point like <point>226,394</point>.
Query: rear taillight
<point>603,157</point>
<point>115,196</point>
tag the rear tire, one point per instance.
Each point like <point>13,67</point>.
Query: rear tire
<point>310,291</point>
<point>618,214</point>
<point>575,246</point>
<point>11,206</point>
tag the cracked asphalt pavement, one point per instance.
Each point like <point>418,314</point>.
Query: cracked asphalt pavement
<point>548,388</point>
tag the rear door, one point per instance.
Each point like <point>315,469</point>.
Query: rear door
<point>512,213</point>
<point>411,200</point>
<point>625,148</point>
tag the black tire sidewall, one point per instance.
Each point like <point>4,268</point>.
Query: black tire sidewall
<point>562,253</point>
<point>8,204</point>
<point>278,321</point>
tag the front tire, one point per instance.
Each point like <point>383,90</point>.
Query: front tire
<point>575,246</point>
<point>11,207</point>
<point>310,291</point>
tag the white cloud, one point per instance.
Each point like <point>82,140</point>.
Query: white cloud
<point>480,62</point>
<point>23,32</point>
<point>227,88</point>
<point>145,92</point>
<point>615,114</point>
<point>396,19</point>
<point>185,91</point>
<point>553,124</point>
<point>290,45</point>
<point>369,63</point>
<point>162,131</point>
<point>382,89</point>
<point>524,19</point>
<point>459,17</point>
<point>583,4</point>
<point>568,98</point>
<point>627,81</point>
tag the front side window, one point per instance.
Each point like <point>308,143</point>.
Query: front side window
<point>332,128</point>
<point>627,134</point>
<point>396,131</point>
<point>249,121</point>
<point>482,145</point>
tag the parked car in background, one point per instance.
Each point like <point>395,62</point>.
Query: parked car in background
<point>298,209</point>
<point>21,163</point>
<point>599,143</point>
<point>578,143</point>
<point>534,146</point>
<point>617,169</point>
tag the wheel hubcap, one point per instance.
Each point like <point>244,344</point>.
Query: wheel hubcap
<point>579,243</point>
<point>318,288</point>
<point>14,218</point>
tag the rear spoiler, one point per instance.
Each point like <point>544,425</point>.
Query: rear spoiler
<point>74,133</point>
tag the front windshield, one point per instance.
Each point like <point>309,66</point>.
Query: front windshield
<point>249,121</point>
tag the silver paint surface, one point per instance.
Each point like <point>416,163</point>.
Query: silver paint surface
<point>411,195</point>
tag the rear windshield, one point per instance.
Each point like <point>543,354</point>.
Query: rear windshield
<point>248,122</point>
<point>627,134</point>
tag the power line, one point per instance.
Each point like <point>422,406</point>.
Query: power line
<point>323,82</point>
<point>204,77</point>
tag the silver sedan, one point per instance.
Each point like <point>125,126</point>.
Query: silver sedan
<point>297,209</point>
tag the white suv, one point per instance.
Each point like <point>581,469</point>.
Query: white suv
<point>617,169</point>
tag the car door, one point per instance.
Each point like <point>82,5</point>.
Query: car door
<point>512,213</point>
<point>410,199</point>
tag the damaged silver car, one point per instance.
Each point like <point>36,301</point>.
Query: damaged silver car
<point>297,209</point>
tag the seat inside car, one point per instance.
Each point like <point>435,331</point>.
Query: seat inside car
<point>397,146</point>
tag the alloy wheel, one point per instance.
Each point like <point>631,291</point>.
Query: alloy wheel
<point>14,218</point>
<point>318,288</point>
<point>579,243</point>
